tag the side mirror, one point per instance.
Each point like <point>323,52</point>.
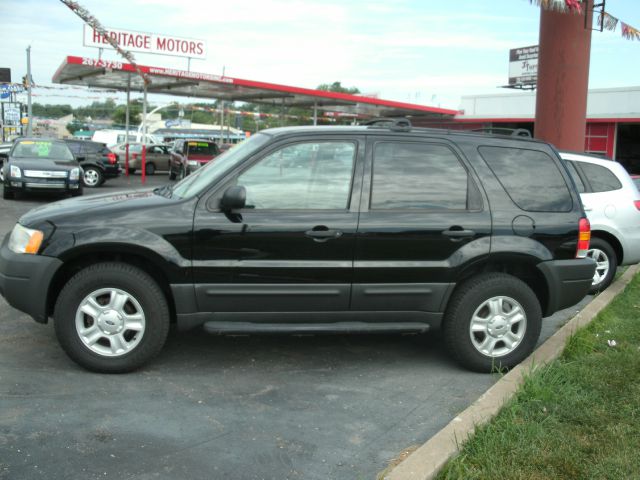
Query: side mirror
<point>234,198</point>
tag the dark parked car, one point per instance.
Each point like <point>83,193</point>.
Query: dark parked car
<point>40,165</point>
<point>382,228</point>
<point>189,155</point>
<point>97,161</point>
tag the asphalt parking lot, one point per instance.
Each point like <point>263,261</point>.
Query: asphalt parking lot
<point>260,407</point>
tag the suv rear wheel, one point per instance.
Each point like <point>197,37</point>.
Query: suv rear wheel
<point>93,177</point>
<point>606,264</point>
<point>493,321</point>
<point>111,318</point>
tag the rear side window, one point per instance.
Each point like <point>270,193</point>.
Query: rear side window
<point>531,178</point>
<point>576,177</point>
<point>420,176</point>
<point>95,147</point>
<point>601,179</point>
<point>74,147</point>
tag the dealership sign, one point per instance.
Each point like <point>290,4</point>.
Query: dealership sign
<point>523,66</point>
<point>143,42</point>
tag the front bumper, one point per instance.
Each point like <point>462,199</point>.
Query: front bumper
<point>25,280</point>
<point>568,282</point>
<point>29,184</point>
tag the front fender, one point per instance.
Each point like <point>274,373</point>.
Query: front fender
<point>155,248</point>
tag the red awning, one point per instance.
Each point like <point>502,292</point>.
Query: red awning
<point>116,75</point>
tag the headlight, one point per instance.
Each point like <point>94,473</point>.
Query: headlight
<point>15,172</point>
<point>25,240</point>
<point>192,163</point>
<point>74,174</point>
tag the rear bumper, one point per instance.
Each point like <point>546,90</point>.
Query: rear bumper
<point>25,279</point>
<point>112,171</point>
<point>568,282</point>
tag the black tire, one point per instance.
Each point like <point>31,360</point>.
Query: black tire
<point>466,302</point>
<point>7,194</point>
<point>92,177</point>
<point>149,169</point>
<point>132,171</point>
<point>181,173</point>
<point>607,264</point>
<point>78,192</point>
<point>144,294</point>
<point>172,174</point>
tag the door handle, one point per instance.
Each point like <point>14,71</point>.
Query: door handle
<point>322,235</point>
<point>458,233</point>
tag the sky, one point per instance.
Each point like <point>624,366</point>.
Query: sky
<point>429,52</point>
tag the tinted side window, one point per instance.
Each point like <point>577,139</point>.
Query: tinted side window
<point>314,175</point>
<point>600,178</point>
<point>74,147</point>
<point>576,177</point>
<point>420,176</point>
<point>95,147</point>
<point>531,178</point>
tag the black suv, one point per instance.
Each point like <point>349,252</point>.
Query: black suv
<point>97,161</point>
<point>382,228</point>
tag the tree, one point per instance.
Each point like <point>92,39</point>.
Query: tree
<point>338,88</point>
<point>119,115</point>
<point>96,110</point>
<point>51,111</point>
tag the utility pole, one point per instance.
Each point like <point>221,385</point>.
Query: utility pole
<point>29,125</point>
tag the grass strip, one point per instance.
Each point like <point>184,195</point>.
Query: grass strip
<point>576,418</point>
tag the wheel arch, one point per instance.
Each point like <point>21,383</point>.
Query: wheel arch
<point>612,240</point>
<point>522,267</point>
<point>144,259</point>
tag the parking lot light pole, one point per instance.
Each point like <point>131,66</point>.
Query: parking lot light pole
<point>144,134</point>
<point>126,128</point>
<point>29,112</point>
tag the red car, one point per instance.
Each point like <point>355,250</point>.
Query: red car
<point>189,155</point>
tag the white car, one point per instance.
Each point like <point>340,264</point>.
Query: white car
<point>612,203</point>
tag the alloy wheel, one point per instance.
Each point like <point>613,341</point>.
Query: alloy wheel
<point>498,326</point>
<point>110,322</point>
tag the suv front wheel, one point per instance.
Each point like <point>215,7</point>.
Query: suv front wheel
<point>493,322</point>
<point>111,318</point>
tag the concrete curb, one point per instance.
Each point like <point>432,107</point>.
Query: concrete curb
<point>427,460</point>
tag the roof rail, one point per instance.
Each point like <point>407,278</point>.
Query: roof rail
<point>393,124</point>
<point>513,132</point>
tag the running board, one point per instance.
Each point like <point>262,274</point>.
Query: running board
<point>245,328</point>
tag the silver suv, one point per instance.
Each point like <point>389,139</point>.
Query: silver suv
<point>612,203</point>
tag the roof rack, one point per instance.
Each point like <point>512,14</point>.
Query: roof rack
<point>393,124</point>
<point>513,132</point>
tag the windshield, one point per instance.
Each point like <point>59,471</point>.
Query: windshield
<point>42,149</point>
<point>207,175</point>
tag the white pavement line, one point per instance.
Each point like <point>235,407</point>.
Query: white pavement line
<point>427,460</point>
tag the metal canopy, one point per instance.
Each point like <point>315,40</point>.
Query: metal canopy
<point>116,75</point>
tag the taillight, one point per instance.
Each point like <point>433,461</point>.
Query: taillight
<point>637,204</point>
<point>584,235</point>
<point>112,158</point>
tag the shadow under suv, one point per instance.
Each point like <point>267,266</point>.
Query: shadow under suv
<point>382,228</point>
